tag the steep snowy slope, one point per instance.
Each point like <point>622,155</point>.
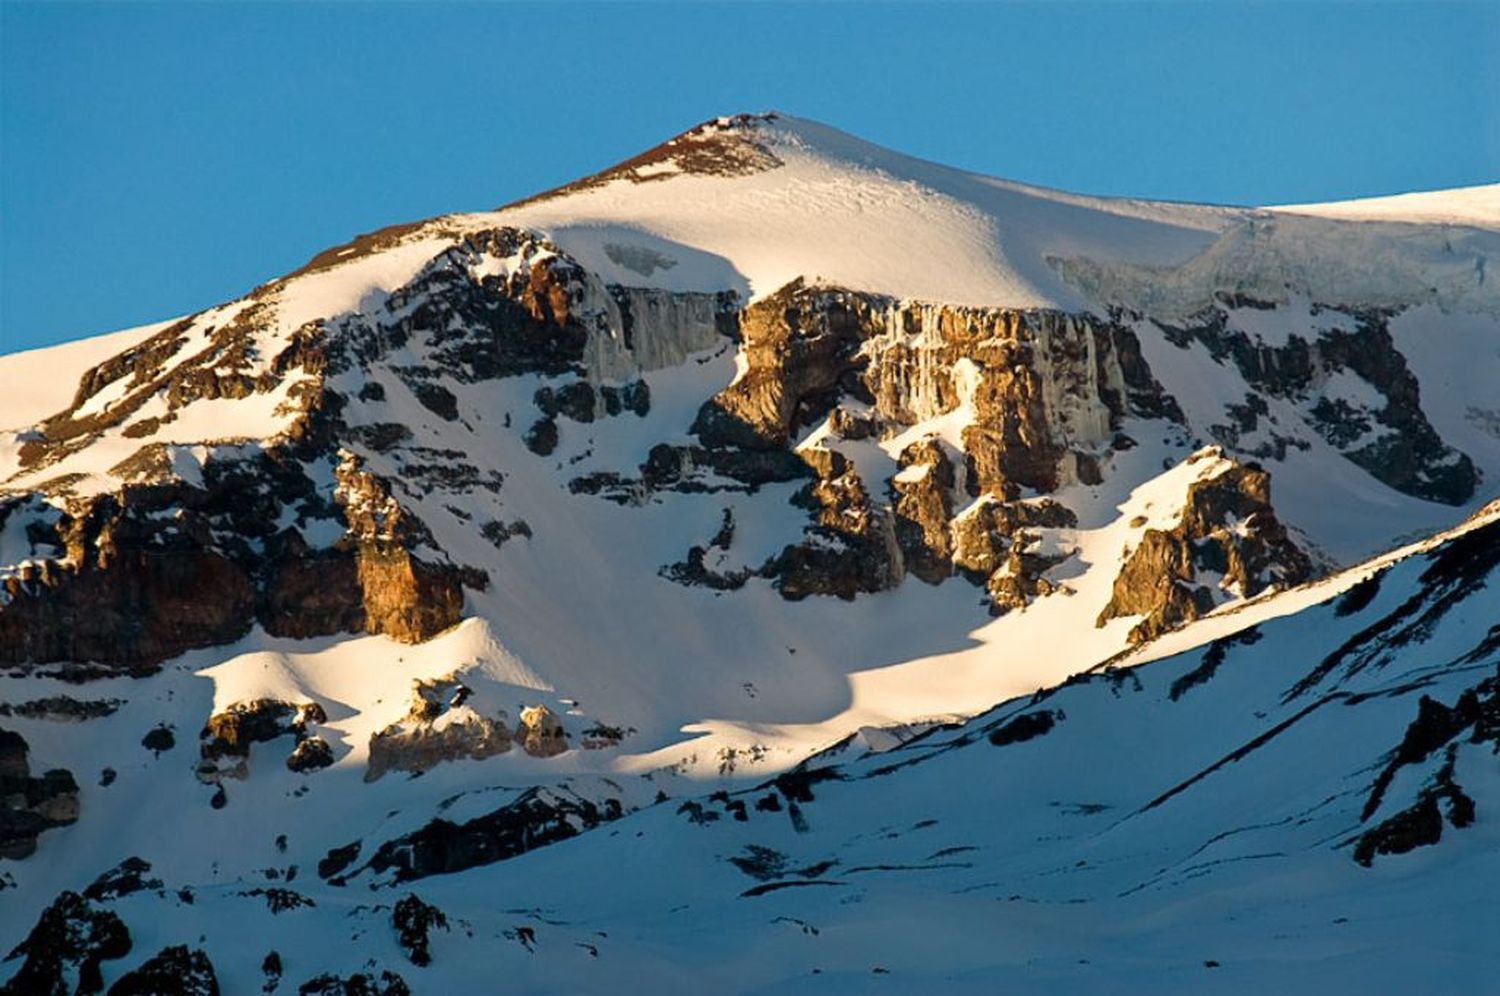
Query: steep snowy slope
<point>1304,802</point>
<point>682,474</point>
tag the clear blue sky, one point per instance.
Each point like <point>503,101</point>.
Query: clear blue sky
<point>156,159</point>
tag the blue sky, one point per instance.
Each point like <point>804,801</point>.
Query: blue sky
<point>156,159</point>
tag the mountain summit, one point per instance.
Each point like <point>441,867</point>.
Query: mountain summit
<point>772,522</point>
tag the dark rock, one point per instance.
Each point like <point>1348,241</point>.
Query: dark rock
<point>575,401</point>
<point>129,876</point>
<point>227,736</point>
<point>359,984</point>
<point>64,949</point>
<point>138,587</point>
<point>437,399</point>
<point>270,967</point>
<point>311,754</point>
<point>537,818</point>
<point>1023,728</point>
<point>30,806</point>
<point>280,900</point>
<point>62,708</point>
<point>852,547</point>
<point>173,971</point>
<point>338,859</point>
<point>414,920</point>
<point>1406,453</point>
<point>541,438</point>
<point>923,491</point>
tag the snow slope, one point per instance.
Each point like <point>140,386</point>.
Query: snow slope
<point>39,382</point>
<point>1478,206</point>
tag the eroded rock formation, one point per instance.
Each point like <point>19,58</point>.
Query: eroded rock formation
<point>224,747</point>
<point>29,806</point>
<point>440,726</point>
<point>1047,390</point>
<point>852,546</point>
<point>1227,541</point>
<point>65,948</point>
<point>172,971</point>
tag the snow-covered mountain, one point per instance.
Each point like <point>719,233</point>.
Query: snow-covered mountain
<point>617,589</point>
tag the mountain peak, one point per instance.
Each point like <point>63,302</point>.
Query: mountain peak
<point>750,473</point>
<point>724,146</point>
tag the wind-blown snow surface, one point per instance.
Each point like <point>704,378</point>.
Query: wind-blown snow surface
<point>1042,864</point>
<point>1461,206</point>
<point>831,211</point>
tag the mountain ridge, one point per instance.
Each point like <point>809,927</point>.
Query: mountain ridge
<point>667,499</point>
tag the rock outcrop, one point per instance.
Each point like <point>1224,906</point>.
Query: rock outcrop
<point>538,817</point>
<point>1327,375</point>
<point>440,726</point>
<point>386,983</point>
<point>414,922</point>
<point>181,546</point>
<point>1047,390</point>
<point>172,971</point>
<point>924,492</point>
<point>30,806</point>
<point>1227,541</point>
<point>850,548</point>
<point>65,948</point>
<point>540,732</point>
<point>150,572</point>
<point>224,744</point>
<point>1433,737</point>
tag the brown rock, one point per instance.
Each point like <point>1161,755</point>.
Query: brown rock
<point>851,548</point>
<point>923,491</point>
<point>1228,528</point>
<point>420,742</point>
<point>540,733</point>
<point>224,747</point>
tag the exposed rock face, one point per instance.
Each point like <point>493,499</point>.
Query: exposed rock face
<point>725,146</point>
<point>125,878</point>
<point>142,577</point>
<point>359,984</point>
<point>190,546</point>
<point>64,949</point>
<point>173,971</point>
<point>924,490</point>
<point>1042,394</point>
<point>62,708</point>
<point>227,736</point>
<point>989,529</point>
<point>540,733</point>
<point>537,818</point>
<point>1047,389</point>
<point>311,754</point>
<point>1391,438</point>
<point>1437,732</point>
<point>1227,539</point>
<point>30,806</point>
<point>439,727</point>
<point>695,568</point>
<point>852,546</point>
<point>414,920</point>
